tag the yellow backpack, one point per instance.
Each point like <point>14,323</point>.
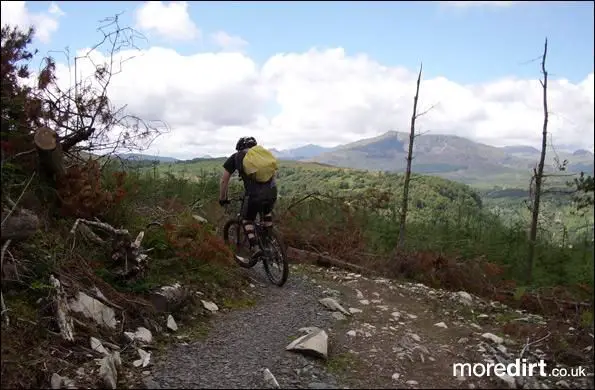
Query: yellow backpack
<point>260,164</point>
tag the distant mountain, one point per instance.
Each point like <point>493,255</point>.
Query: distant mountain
<point>146,157</point>
<point>448,156</point>
<point>582,153</point>
<point>520,149</point>
<point>302,153</point>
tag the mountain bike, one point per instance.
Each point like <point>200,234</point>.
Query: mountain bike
<point>273,249</point>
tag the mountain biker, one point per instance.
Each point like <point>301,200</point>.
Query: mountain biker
<point>259,198</point>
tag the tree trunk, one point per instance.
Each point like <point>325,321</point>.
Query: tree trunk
<point>50,163</point>
<point>405,202</point>
<point>538,176</point>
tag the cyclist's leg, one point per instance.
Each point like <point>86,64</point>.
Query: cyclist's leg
<point>267,209</point>
<point>249,212</point>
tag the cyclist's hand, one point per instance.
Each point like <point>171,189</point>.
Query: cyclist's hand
<point>223,202</point>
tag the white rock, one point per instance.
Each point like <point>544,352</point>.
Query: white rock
<point>145,358</point>
<point>56,381</point>
<point>376,301</point>
<point>396,376</point>
<point>338,316</point>
<point>465,297</point>
<point>382,307</point>
<point>415,337</point>
<point>441,325</point>
<point>108,370</point>
<point>171,323</point>
<point>483,316</point>
<point>493,338</point>
<point>210,306</point>
<point>352,333</point>
<point>412,316</point>
<point>270,379</point>
<point>364,302</point>
<point>141,334</point>
<point>332,304</point>
<point>94,309</point>
<point>359,294</point>
<point>354,310</point>
<point>411,383</point>
<point>199,218</point>
<point>474,325</point>
<point>395,314</point>
<point>97,346</point>
<point>315,342</point>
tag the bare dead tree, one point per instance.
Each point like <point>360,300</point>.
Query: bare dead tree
<point>82,117</point>
<point>537,179</point>
<point>412,136</point>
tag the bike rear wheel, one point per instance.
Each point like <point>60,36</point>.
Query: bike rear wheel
<point>274,260</point>
<point>234,236</point>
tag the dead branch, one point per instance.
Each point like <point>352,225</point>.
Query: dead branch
<point>538,175</point>
<point>405,200</point>
<point>100,225</point>
<point>65,322</point>
<point>14,204</point>
<point>4,308</point>
<point>427,110</point>
<point>528,344</point>
<point>124,249</point>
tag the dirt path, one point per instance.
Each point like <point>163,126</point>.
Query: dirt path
<point>406,336</point>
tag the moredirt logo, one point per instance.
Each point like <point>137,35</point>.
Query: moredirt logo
<point>520,367</point>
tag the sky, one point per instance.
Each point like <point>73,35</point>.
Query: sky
<point>329,73</point>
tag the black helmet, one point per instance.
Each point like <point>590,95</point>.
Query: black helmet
<point>245,143</point>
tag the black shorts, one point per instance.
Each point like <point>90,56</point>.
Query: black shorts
<point>261,203</point>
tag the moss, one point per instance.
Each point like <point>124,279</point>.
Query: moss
<point>239,303</point>
<point>340,363</point>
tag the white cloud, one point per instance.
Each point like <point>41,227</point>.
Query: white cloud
<point>45,23</point>
<point>328,98</point>
<point>168,20</point>
<point>227,41</point>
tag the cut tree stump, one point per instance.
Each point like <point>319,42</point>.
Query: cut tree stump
<point>51,165</point>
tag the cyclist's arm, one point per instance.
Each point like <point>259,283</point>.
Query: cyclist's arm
<point>229,168</point>
<point>224,184</point>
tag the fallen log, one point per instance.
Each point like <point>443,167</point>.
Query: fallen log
<point>301,255</point>
<point>19,225</point>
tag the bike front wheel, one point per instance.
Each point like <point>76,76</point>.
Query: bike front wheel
<point>275,261</point>
<point>234,236</point>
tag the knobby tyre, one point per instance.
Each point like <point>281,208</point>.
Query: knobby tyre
<point>276,250</point>
<point>232,231</point>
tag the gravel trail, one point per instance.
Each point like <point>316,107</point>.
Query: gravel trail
<point>244,342</point>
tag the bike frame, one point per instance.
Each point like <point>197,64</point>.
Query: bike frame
<point>258,226</point>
